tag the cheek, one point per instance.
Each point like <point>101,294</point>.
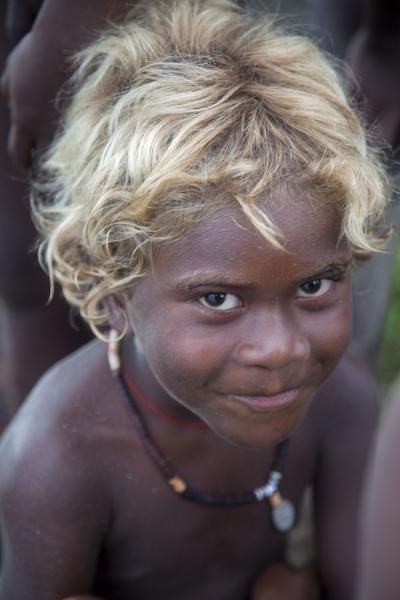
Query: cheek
<point>331,333</point>
<point>180,354</point>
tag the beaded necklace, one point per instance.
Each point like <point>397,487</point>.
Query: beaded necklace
<point>282,510</point>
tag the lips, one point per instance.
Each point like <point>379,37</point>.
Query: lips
<point>262,402</point>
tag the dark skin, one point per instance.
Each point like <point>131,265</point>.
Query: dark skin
<point>41,63</point>
<point>367,34</point>
<point>27,324</point>
<point>379,570</point>
<point>219,353</point>
<point>20,17</point>
<point>42,35</point>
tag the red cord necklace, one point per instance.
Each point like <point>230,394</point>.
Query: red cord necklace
<point>176,421</point>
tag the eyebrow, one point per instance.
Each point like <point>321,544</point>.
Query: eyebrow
<point>200,278</point>
<point>339,266</point>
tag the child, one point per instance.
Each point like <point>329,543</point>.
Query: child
<point>209,193</point>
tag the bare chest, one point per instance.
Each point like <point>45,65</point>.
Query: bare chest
<point>163,545</point>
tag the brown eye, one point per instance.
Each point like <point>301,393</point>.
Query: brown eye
<point>315,287</point>
<point>220,301</point>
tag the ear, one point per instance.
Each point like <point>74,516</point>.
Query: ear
<point>118,315</point>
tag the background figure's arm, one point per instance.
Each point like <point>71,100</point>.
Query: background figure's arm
<point>374,56</point>
<point>380,523</point>
<point>39,65</point>
<point>20,16</point>
<point>367,34</point>
<point>348,411</point>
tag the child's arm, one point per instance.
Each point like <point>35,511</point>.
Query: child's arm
<point>40,64</point>
<point>53,511</point>
<point>347,412</point>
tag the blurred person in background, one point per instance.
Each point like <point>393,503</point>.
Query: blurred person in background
<point>366,33</point>
<point>380,541</point>
<point>37,39</point>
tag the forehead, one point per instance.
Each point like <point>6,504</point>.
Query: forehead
<point>228,240</point>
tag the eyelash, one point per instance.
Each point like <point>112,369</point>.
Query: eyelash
<point>225,294</point>
<point>330,279</point>
<point>235,301</point>
<point>321,281</point>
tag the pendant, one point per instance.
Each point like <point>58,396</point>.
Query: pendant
<point>283,513</point>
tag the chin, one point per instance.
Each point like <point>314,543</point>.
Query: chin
<point>258,437</point>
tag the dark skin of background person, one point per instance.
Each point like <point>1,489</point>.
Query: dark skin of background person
<point>33,334</point>
<point>379,548</point>
<point>372,48</point>
<point>374,55</point>
<point>366,33</point>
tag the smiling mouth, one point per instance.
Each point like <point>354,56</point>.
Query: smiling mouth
<point>266,403</point>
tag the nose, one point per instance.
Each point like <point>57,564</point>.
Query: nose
<point>272,339</point>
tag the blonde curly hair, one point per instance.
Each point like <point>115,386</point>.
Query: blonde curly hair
<point>188,106</point>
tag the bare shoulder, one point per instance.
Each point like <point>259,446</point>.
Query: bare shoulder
<point>69,398</point>
<point>51,478</point>
<point>55,440</point>
<point>59,423</point>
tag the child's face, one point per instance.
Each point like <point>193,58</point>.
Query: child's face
<point>243,334</point>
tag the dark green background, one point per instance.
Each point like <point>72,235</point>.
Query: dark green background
<point>390,353</point>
